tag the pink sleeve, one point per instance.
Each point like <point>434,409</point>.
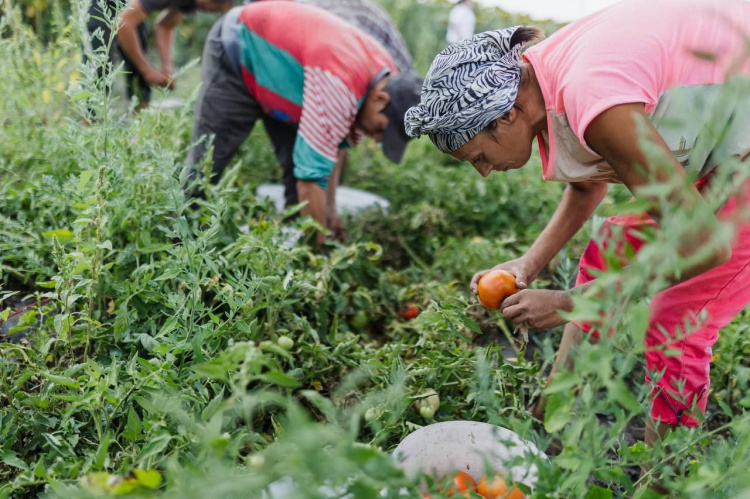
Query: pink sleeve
<point>595,87</point>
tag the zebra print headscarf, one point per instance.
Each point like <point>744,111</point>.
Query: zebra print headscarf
<point>469,84</point>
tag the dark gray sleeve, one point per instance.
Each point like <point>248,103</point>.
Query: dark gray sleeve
<point>154,5</point>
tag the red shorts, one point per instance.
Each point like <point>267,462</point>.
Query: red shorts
<point>709,302</point>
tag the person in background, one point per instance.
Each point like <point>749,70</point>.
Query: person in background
<point>131,38</point>
<point>318,88</point>
<point>375,21</point>
<point>461,22</point>
<point>593,95</point>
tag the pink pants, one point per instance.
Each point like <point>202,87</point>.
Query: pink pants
<point>721,294</point>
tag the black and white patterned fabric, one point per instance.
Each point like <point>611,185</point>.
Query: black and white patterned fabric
<point>469,84</point>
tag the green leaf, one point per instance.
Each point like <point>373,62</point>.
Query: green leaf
<point>81,95</point>
<point>562,382</point>
<point>623,396</point>
<point>647,493</point>
<point>597,492</point>
<point>147,405</point>
<point>213,407</point>
<point>155,446</point>
<point>63,235</point>
<point>101,453</point>
<point>84,179</point>
<point>470,324</point>
<point>61,380</point>
<point>211,370</point>
<point>557,414</point>
<point>168,275</point>
<point>134,427</point>
<point>168,327</point>
<point>147,341</point>
<point>280,379</point>
<point>61,325</point>
<point>40,470</point>
<point>148,478</point>
<point>66,398</point>
<point>11,459</point>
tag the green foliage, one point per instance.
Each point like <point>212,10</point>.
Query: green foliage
<point>178,355</point>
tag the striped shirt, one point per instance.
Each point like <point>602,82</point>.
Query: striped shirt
<point>310,68</point>
<point>373,20</point>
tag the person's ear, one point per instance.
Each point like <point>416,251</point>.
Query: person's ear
<point>381,98</point>
<point>509,118</point>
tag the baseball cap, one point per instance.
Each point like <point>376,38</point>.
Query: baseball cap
<point>405,90</point>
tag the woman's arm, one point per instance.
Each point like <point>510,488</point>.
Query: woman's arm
<point>578,203</point>
<point>616,135</point>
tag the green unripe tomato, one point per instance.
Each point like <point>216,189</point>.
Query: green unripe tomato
<point>427,411</point>
<point>285,342</point>
<point>360,320</point>
<point>370,415</point>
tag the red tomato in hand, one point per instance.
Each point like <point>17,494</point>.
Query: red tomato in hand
<point>494,287</point>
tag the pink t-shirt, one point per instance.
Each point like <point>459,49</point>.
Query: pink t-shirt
<point>670,55</point>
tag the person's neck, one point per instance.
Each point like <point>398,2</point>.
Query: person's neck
<point>535,106</point>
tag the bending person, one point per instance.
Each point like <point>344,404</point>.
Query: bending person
<point>376,22</point>
<point>588,94</point>
<point>132,36</point>
<point>318,88</point>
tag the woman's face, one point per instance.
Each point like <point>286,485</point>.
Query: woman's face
<point>504,145</point>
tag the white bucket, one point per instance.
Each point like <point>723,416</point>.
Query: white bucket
<point>167,103</point>
<point>442,449</point>
<point>348,200</point>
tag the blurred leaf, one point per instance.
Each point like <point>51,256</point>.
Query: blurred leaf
<point>597,492</point>
<point>11,459</point>
<point>148,478</point>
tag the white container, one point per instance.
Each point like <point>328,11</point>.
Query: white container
<point>348,200</point>
<point>442,449</point>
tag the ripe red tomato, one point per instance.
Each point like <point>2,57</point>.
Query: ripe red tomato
<point>408,312</point>
<point>494,287</point>
<point>492,488</point>
<point>515,493</point>
<point>462,484</point>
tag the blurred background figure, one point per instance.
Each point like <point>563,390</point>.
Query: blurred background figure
<point>373,20</point>
<point>317,89</point>
<point>132,35</point>
<point>461,22</point>
<point>376,22</point>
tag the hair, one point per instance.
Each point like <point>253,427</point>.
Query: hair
<point>527,35</point>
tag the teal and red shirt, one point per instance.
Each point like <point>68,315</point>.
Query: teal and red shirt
<point>309,68</point>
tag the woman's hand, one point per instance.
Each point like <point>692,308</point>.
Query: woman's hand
<point>537,308</point>
<point>520,267</point>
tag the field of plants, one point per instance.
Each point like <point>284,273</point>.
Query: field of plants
<point>162,351</point>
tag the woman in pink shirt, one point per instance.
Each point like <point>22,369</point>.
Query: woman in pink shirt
<point>589,94</point>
